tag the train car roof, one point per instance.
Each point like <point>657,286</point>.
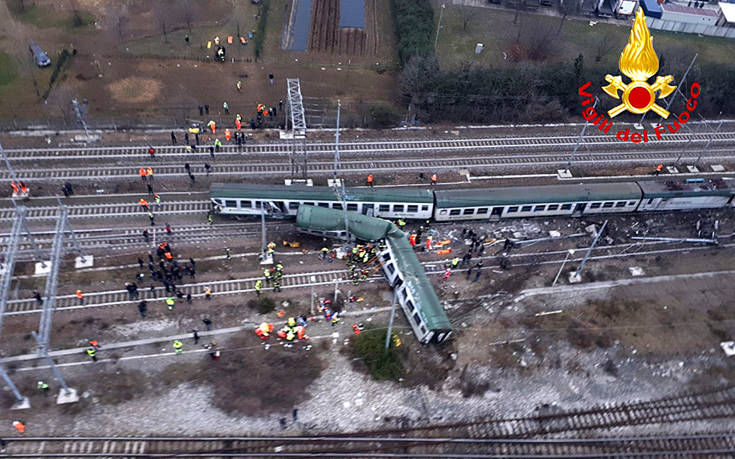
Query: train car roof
<point>319,193</point>
<point>324,219</point>
<point>533,194</point>
<point>680,188</point>
<point>418,283</point>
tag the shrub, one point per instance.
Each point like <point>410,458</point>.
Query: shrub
<point>414,24</point>
<point>383,116</point>
<point>259,37</point>
<point>381,364</point>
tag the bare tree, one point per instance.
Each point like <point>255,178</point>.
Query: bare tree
<point>605,44</point>
<point>567,7</point>
<point>162,12</point>
<point>466,14</point>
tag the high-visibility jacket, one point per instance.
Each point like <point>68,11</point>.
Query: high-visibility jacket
<point>178,345</point>
<point>168,256</point>
<point>370,178</point>
<point>434,178</point>
<point>42,385</point>
<point>79,294</point>
<point>412,240</point>
<point>150,172</point>
<point>142,172</point>
<point>91,352</point>
<point>291,322</point>
<point>207,291</point>
<point>143,202</point>
<point>170,301</point>
<point>23,188</point>
<point>258,285</point>
<point>228,135</point>
<point>213,126</point>
<point>15,187</point>
<point>267,273</point>
<point>455,262</point>
<point>157,198</point>
<point>238,124</point>
<point>19,426</point>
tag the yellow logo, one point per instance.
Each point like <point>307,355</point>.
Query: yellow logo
<point>639,62</point>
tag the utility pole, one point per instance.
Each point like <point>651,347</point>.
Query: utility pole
<point>80,116</point>
<point>569,253</point>
<point>670,101</point>
<point>709,141</point>
<point>340,189</point>
<point>392,316</point>
<point>579,140</point>
<point>578,272</point>
<point>439,26</point>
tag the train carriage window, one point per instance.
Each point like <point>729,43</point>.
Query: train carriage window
<point>336,205</point>
<point>424,208</point>
<point>608,205</point>
<point>293,205</point>
<point>398,207</point>
<point>512,209</point>
<point>257,204</point>
<point>650,201</point>
<point>539,208</point>
<point>384,208</point>
<point>595,205</point>
<point>482,210</point>
<point>412,209</point>
<point>391,268</point>
<point>309,204</point>
<point>218,201</point>
<point>246,204</point>
<point>323,204</point>
<point>631,203</point>
<point>409,305</point>
<point>468,212</point>
<point>620,204</point>
<point>417,318</point>
<point>423,329</point>
<point>566,207</point>
<point>552,207</point>
<point>454,212</point>
<point>526,208</point>
<point>230,203</point>
<point>352,207</point>
<point>443,212</point>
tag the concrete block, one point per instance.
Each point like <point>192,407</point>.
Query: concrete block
<point>693,169</point>
<point>21,405</point>
<point>71,397</point>
<point>574,278</point>
<point>333,182</point>
<point>728,347</point>
<point>564,173</point>
<point>266,260</point>
<point>718,168</point>
<point>41,269</point>
<point>636,271</point>
<point>638,126</point>
<point>672,170</point>
<point>87,262</point>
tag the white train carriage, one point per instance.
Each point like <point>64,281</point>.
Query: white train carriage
<point>283,201</point>
<point>687,194</point>
<point>536,201</point>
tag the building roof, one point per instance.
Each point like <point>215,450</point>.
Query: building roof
<point>537,194</point>
<point>324,219</point>
<point>417,282</point>
<point>319,193</point>
<point>685,188</point>
<point>673,8</point>
<point>728,10</point>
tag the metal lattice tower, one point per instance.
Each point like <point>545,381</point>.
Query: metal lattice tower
<point>339,190</point>
<point>44,327</point>
<point>295,109</point>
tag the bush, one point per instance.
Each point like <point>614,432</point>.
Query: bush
<point>259,37</point>
<point>414,23</point>
<point>381,364</point>
<point>61,61</point>
<point>265,304</point>
<point>383,116</point>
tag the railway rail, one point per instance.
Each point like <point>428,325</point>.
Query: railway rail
<point>368,148</point>
<point>362,447</point>
<point>259,169</point>
<point>107,210</point>
<point>320,278</point>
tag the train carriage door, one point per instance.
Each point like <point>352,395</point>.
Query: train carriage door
<point>368,209</point>
<point>578,209</point>
<point>496,213</point>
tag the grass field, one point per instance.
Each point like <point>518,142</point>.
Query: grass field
<point>46,18</point>
<point>494,28</point>
<point>8,71</point>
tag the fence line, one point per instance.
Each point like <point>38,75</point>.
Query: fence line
<point>702,29</point>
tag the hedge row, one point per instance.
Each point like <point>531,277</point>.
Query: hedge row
<point>414,22</point>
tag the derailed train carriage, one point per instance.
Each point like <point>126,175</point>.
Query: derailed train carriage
<point>480,203</point>
<point>398,261</point>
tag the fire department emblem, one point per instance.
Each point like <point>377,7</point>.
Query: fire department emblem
<point>639,62</point>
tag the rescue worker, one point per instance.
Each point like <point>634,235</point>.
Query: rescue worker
<point>370,180</point>
<point>258,286</point>
<point>150,173</point>
<point>412,239</point>
<point>226,107</point>
<point>239,85</point>
<point>401,223</point>
<point>210,218</point>
<point>270,248</point>
<point>170,302</point>
<point>447,273</point>
<point>455,262</point>
<point>207,293</point>
<point>15,187</point>
<point>80,296</point>
<point>19,426</point>
<point>264,330</point>
<point>267,274</point>
<point>94,343</point>
<point>157,199</point>
<point>150,216</point>
<point>356,329</point>
<point>92,353</point>
<point>213,126</point>
<point>363,275</point>
<point>323,253</point>
<point>659,168</point>
<point>428,242</point>
<point>43,386</point>
<point>217,144</point>
<point>143,203</point>
<point>434,179</point>
<point>228,134</point>
<point>238,123</point>
<point>23,189</point>
<point>291,322</point>
<point>276,285</point>
<point>152,151</point>
<point>178,346</point>
<point>142,172</point>
<point>228,253</point>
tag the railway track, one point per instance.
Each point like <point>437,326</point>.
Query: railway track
<point>362,447</point>
<point>259,169</point>
<point>320,278</point>
<point>367,148</point>
<point>107,210</point>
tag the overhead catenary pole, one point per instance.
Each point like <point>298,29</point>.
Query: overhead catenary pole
<point>18,396</point>
<point>68,227</point>
<point>80,116</point>
<point>579,139</point>
<point>709,142</point>
<point>340,189</point>
<point>44,353</point>
<point>578,273</point>
<point>671,100</point>
<point>392,316</point>
<point>439,26</point>
<point>570,252</point>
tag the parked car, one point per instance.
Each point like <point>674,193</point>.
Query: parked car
<point>42,60</point>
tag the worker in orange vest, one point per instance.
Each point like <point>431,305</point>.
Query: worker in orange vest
<point>428,242</point>
<point>434,179</point>
<point>80,296</point>
<point>142,173</point>
<point>150,173</point>
<point>659,168</point>
<point>213,126</point>
<point>370,180</point>
<point>19,426</point>
<point>238,124</point>
<point>228,134</point>
<point>15,188</point>
<point>412,239</point>
<point>143,203</point>
<point>23,189</point>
